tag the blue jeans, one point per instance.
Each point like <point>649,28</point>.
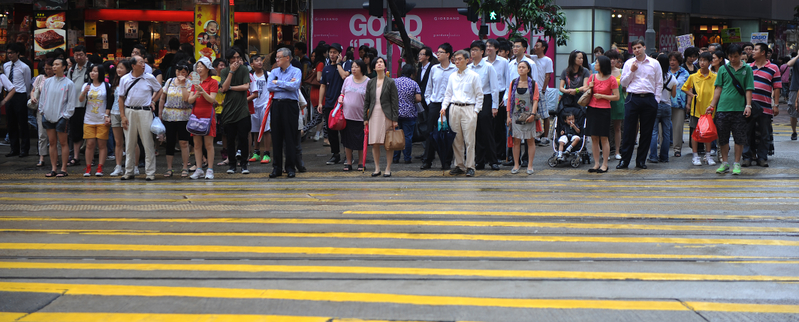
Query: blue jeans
<point>408,125</point>
<point>663,119</point>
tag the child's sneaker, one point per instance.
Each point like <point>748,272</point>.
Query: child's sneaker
<point>724,168</point>
<point>99,172</point>
<point>88,172</point>
<point>197,174</point>
<point>709,160</point>
<point>266,160</point>
<point>255,157</point>
<point>118,171</point>
<point>697,161</point>
<point>736,169</point>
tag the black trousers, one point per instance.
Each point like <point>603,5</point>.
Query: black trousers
<point>637,110</point>
<point>758,138</point>
<point>285,114</point>
<point>238,130</point>
<point>76,124</point>
<point>17,112</point>
<point>332,136</point>
<point>485,147</point>
<point>500,130</point>
<point>433,113</point>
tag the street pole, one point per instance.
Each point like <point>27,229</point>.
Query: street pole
<point>650,36</point>
<point>224,36</point>
<point>389,28</point>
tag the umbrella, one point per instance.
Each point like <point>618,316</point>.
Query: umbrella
<point>443,139</point>
<point>266,116</point>
<point>365,144</point>
<point>394,37</point>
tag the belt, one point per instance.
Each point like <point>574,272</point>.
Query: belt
<point>284,100</point>
<point>145,108</point>
<point>641,95</point>
<point>461,104</point>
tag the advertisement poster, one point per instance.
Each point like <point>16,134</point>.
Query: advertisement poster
<point>187,33</point>
<point>49,33</point>
<point>666,38</point>
<point>104,37</point>
<point>635,32</point>
<point>430,26</point>
<point>303,29</point>
<point>90,29</point>
<point>131,29</point>
<point>731,35</point>
<point>758,37</point>
<point>684,42</point>
<point>207,31</point>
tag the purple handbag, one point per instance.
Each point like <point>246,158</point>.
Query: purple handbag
<point>198,126</point>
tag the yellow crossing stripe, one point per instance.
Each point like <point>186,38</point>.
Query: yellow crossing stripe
<point>234,293</point>
<point>526,274</point>
<point>380,222</point>
<point>369,235</point>
<point>357,251</point>
<point>160,317</point>
<point>565,214</point>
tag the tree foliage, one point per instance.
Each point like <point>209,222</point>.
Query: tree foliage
<point>536,15</point>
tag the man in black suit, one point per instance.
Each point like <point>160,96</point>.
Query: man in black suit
<point>426,61</point>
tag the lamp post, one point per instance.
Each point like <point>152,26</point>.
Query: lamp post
<point>649,37</point>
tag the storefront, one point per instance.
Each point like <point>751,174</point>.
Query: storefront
<point>629,25</point>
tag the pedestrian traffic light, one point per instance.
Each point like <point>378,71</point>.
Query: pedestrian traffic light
<point>470,12</point>
<point>404,7</point>
<point>492,16</point>
<point>375,7</point>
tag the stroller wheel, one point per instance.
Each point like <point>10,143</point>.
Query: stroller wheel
<point>553,161</point>
<point>576,162</point>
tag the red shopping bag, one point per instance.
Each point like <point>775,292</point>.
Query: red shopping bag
<point>336,121</point>
<point>705,130</point>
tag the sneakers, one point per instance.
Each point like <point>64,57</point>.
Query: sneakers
<point>99,172</point>
<point>111,158</point>
<point>135,171</point>
<point>725,168</point>
<point>793,136</point>
<point>209,175</point>
<point>696,161</point>
<point>88,172</point>
<point>736,169</point>
<point>232,170</point>
<point>618,157</point>
<point>238,154</point>
<point>713,152</point>
<point>709,160</point>
<point>118,171</point>
<point>255,157</point>
<point>197,174</point>
<point>266,160</point>
<point>244,169</point>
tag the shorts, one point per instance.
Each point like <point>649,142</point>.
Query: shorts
<point>568,138</point>
<point>734,122</point>
<point>95,131</point>
<point>694,121</point>
<point>60,126</point>
<point>116,120</point>
<point>257,118</point>
<point>792,110</point>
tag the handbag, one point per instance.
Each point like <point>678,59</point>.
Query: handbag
<point>198,126</point>
<point>336,121</point>
<point>395,140</point>
<point>523,116</point>
<point>586,98</point>
<point>157,127</point>
<point>756,111</point>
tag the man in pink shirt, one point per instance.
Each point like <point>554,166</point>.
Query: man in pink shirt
<point>643,78</point>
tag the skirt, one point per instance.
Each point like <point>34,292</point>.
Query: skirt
<point>597,121</point>
<point>352,135</point>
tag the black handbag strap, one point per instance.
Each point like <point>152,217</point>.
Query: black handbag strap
<point>735,81</point>
<point>131,86</point>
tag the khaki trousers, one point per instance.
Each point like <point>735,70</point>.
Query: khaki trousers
<point>139,125</point>
<point>463,121</point>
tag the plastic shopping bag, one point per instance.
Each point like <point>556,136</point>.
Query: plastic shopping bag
<point>442,123</point>
<point>705,130</point>
<point>336,119</point>
<point>157,127</point>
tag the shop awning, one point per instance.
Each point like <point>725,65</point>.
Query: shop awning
<point>184,16</point>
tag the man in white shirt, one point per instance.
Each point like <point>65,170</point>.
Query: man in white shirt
<point>434,95</point>
<point>501,67</point>
<point>140,92</point>
<point>464,95</point>
<point>141,51</point>
<point>643,78</point>
<point>486,147</point>
<point>79,75</point>
<point>541,77</point>
<point>19,74</point>
<point>426,61</point>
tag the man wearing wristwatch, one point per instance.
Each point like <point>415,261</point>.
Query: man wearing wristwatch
<point>732,108</point>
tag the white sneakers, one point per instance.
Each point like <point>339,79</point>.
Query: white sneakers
<point>198,173</point>
<point>209,174</point>
<point>118,171</point>
<point>618,157</point>
<point>696,161</point>
<point>709,159</point>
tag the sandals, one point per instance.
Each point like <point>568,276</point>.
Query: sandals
<point>677,154</point>
<point>348,167</point>
<point>193,168</point>
<point>223,163</point>
<point>184,173</point>
<point>40,164</point>
<point>73,162</point>
<point>61,174</point>
<point>168,173</point>
<point>361,167</point>
<point>50,174</point>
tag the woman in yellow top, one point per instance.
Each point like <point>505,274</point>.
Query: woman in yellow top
<point>699,89</point>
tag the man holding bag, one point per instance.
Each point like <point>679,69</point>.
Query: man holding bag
<point>136,106</point>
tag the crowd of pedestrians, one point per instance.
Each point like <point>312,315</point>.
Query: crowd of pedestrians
<point>492,96</point>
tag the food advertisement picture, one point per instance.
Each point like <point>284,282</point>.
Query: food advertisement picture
<point>206,31</point>
<point>49,33</point>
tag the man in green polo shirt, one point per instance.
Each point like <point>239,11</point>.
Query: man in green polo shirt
<point>732,108</point>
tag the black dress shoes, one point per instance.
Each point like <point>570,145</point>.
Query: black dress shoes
<point>426,166</point>
<point>640,165</point>
<point>275,173</point>
<point>12,154</point>
<point>480,166</point>
<point>23,154</point>
<point>622,165</point>
<point>495,166</point>
<point>292,174</point>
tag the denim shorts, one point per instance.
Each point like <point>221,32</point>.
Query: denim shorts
<point>60,126</point>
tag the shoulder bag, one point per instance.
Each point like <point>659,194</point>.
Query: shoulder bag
<point>586,98</point>
<point>756,110</point>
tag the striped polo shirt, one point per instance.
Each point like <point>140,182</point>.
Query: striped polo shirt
<point>766,79</point>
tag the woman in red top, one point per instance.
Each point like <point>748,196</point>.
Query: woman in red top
<point>605,89</point>
<point>203,97</point>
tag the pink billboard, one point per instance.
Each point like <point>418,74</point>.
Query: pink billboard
<point>432,26</point>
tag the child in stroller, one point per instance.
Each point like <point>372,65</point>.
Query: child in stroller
<point>569,135</point>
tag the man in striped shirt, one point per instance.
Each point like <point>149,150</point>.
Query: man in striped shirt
<point>767,92</point>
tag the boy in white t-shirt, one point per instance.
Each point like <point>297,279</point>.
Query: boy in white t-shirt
<point>260,98</point>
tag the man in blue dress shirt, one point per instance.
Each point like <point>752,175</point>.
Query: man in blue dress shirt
<point>284,82</point>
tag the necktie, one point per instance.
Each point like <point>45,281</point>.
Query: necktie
<point>11,74</point>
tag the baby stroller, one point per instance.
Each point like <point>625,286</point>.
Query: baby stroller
<point>578,155</point>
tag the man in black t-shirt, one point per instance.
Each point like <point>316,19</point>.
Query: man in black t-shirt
<point>333,76</point>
